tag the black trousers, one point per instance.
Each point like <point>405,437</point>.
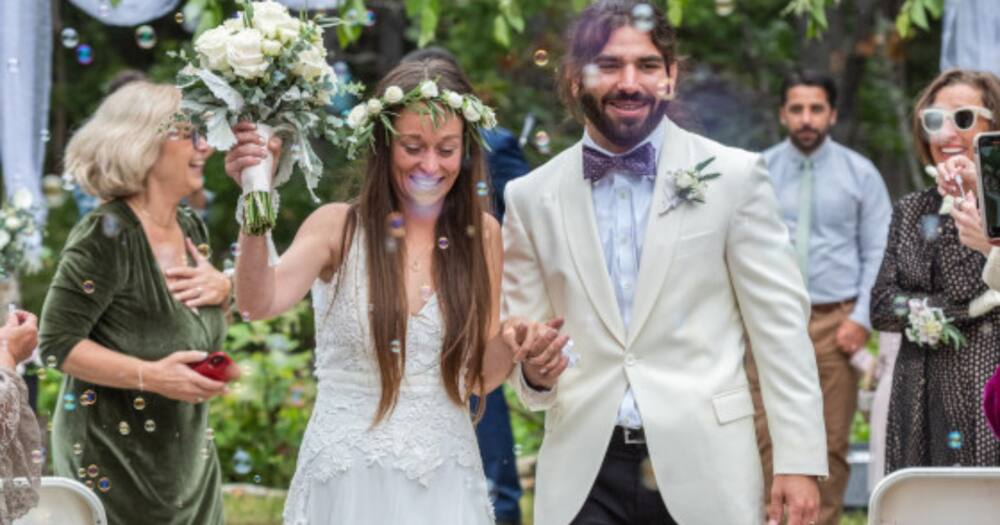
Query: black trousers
<point>624,492</point>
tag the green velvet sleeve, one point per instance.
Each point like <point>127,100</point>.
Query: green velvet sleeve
<point>91,272</point>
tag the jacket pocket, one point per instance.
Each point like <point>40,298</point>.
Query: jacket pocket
<point>732,405</point>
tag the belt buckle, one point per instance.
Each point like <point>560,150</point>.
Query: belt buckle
<point>634,436</point>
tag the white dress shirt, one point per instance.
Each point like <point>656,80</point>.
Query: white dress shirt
<point>621,207</point>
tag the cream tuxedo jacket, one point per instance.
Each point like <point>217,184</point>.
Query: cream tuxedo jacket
<point>712,277</point>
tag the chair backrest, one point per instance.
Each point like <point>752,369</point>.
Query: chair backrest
<point>919,496</point>
<point>63,501</point>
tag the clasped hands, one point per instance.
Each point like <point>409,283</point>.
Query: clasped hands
<point>538,347</point>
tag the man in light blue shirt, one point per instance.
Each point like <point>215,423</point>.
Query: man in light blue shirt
<point>837,210</point>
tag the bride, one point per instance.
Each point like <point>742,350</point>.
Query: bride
<point>406,290</point>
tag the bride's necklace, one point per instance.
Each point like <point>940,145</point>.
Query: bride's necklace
<point>414,263</point>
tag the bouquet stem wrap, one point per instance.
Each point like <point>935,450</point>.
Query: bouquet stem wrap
<point>258,211</point>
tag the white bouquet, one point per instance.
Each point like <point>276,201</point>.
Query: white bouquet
<point>18,225</point>
<point>928,326</point>
<point>269,68</point>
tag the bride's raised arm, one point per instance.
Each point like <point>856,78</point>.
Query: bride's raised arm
<point>264,291</point>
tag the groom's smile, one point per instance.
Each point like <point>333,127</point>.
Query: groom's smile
<point>621,98</point>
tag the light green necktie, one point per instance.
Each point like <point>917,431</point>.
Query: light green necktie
<point>804,225</point>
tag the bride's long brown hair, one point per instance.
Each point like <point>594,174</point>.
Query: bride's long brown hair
<point>461,274</point>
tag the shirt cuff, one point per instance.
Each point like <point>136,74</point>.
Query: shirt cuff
<point>532,398</point>
<point>860,316</point>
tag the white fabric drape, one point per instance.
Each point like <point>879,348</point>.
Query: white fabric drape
<point>26,54</point>
<point>971,35</point>
<point>127,12</point>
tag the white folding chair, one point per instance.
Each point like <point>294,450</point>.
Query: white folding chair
<point>63,501</point>
<point>926,496</point>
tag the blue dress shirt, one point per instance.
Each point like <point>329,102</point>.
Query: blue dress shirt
<point>850,221</point>
<point>621,208</point>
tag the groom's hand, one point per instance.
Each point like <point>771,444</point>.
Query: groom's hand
<point>541,357</point>
<point>800,494</point>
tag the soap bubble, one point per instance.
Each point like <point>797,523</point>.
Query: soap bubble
<point>145,37</point>
<point>149,426</point>
<point>84,54</point>
<point>395,346</point>
<point>104,484</point>
<point>124,429</point>
<point>139,403</point>
<point>88,398</point>
<point>541,58</point>
<point>70,38</point>
<point>954,440</point>
<point>443,243</point>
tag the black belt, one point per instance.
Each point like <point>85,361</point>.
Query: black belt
<point>628,437</point>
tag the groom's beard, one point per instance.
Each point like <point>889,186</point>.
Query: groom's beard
<point>625,135</point>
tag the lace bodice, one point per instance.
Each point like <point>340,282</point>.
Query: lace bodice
<point>425,430</point>
<point>20,446</point>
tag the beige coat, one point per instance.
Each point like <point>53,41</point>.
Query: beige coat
<point>712,277</point>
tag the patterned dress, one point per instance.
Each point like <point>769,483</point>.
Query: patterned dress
<point>935,410</point>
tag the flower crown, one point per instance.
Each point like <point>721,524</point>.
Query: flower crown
<point>361,120</point>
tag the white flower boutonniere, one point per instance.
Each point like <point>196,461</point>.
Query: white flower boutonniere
<point>689,185</point>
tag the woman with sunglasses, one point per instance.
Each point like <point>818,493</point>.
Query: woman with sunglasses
<point>134,301</point>
<point>935,413</point>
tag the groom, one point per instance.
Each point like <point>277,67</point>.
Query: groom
<point>662,281</point>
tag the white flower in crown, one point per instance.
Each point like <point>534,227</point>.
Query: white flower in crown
<point>358,116</point>
<point>453,99</point>
<point>428,89</point>
<point>4,239</point>
<point>489,118</point>
<point>393,95</point>
<point>12,223</point>
<point>470,112</point>
<point>374,107</point>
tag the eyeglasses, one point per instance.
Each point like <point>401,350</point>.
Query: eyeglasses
<point>964,118</point>
<point>182,132</point>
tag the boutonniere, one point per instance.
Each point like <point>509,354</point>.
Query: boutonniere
<point>688,185</point>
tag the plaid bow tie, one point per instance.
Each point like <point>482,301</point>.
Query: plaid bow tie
<point>639,161</point>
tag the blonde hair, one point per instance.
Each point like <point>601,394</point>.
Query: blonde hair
<point>113,152</point>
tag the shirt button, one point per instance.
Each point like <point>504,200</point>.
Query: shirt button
<point>629,359</point>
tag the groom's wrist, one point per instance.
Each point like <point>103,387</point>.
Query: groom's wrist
<point>533,385</point>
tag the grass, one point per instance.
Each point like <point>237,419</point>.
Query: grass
<point>247,509</point>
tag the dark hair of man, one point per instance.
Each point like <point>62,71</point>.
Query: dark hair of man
<point>591,32</point>
<point>812,79</point>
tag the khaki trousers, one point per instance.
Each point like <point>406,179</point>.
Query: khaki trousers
<point>839,383</point>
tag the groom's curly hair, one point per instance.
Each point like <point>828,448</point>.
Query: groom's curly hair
<point>590,32</point>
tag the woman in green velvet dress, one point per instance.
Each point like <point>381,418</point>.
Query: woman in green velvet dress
<point>132,303</point>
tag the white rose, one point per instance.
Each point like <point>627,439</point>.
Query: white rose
<point>268,17</point>
<point>393,94</point>
<point>233,24</point>
<point>4,239</point>
<point>22,199</point>
<point>428,89</point>
<point>470,113</point>
<point>271,48</point>
<point>12,223</point>
<point>686,180</point>
<point>309,64</point>
<point>489,118</point>
<point>322,96</point>
<point>358,116</point>
<point>244,54</point>
<point>288,30</point>
<point>374,107</point>
<point>211,46</point>
<point>453,99</point>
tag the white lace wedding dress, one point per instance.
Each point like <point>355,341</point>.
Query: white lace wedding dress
<point>421,465</point>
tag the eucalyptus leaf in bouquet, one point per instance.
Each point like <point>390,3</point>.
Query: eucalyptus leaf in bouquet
<point>269,68</point>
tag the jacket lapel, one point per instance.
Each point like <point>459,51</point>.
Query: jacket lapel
<point>584,242</point>
<point>662,227</point>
